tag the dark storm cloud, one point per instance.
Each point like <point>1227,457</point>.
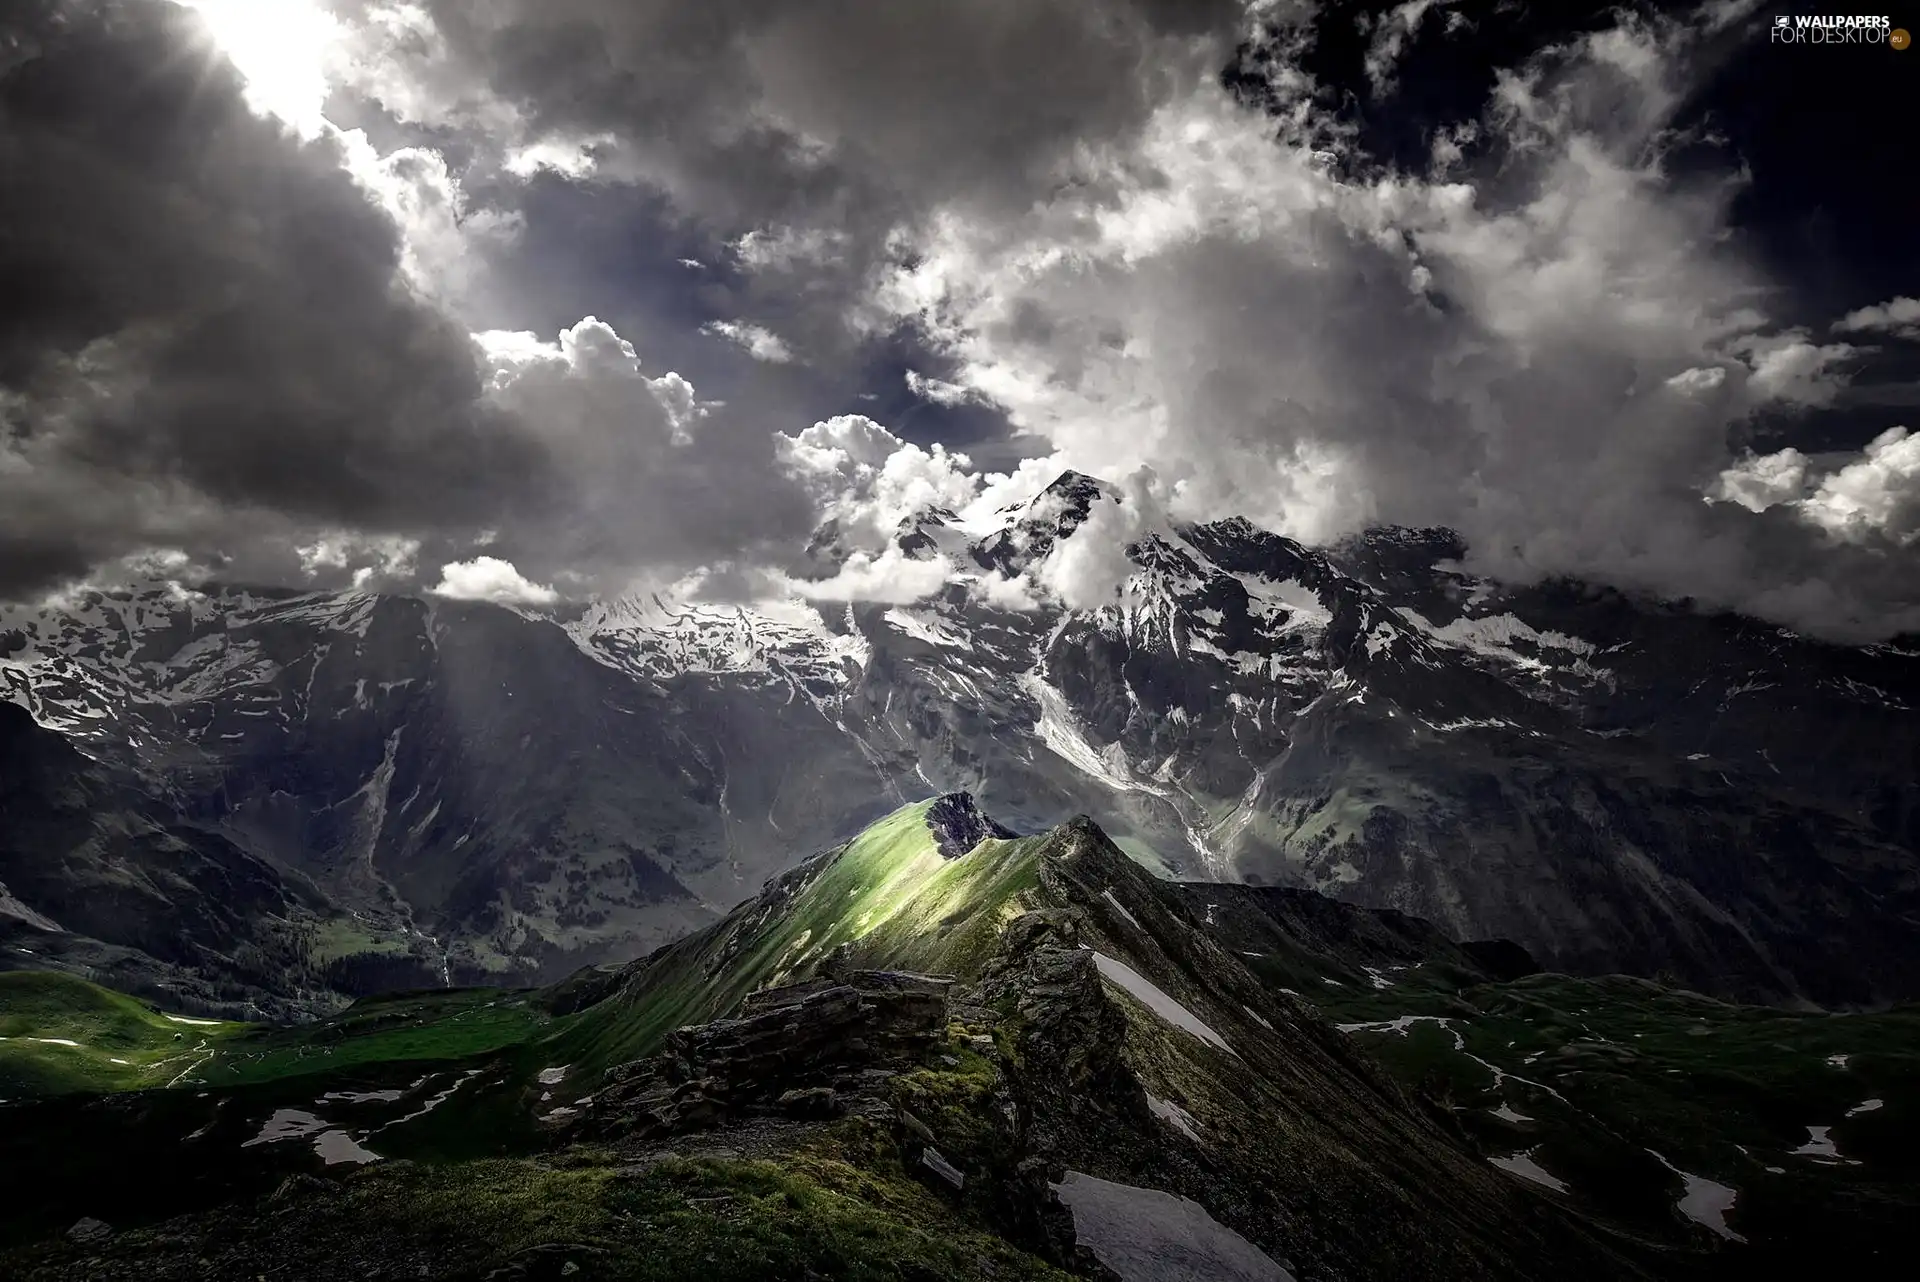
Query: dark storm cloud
<point>816,130</point>
<point>209,342</point>
<point>199,306</point>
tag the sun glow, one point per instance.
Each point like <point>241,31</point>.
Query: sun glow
<point>282,49</point>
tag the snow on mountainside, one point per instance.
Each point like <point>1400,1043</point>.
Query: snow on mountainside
<point>1617,784</point>
<point>790,643</point>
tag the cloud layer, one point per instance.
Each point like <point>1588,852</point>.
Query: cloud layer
<point>242,343</point>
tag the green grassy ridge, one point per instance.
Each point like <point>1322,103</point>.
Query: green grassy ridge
<point>40,1011</point>
<point>887,885</point>
<point>120,1043</point>
<point>423,1027</point>
<point>817,1213</point>
<point>878,887</point>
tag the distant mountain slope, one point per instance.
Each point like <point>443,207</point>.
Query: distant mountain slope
<point>1617,785</point>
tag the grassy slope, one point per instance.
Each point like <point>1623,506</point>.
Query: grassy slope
<point>121,1043</point>
<point>1620,1066</point>
<point>890,867</point>
<point>814,1215</point>
<point>837,900</point>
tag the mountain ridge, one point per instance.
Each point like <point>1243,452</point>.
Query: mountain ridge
<point>1618,787</point>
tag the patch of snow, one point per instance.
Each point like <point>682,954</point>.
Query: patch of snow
<point>553,1076</point>
<point>58,1041</point>
<point>1401,1025</point>
<point>1143,990</point>
<point>1121,909</point>
<point>1173,1115</point>
<point>925,625</point>
<point>183,1019</point>
<point>1866,1106</point>
<point>1506,1113</point>
<point>1058,729</point>
<point>1295,605</point>
<point>1379,980</point>
<point>434,1102</point>
<point>1493,635</point>
<point>1258,1018</point>
<point>333,1145</point>
<point>1705,1202</point>
<point>1838,1061</point>
<point>1820,1147</point>
<point>360,1097</point>
<point>286,1124</point>
<point>1523,1165</point>
<point>1145,1235</point>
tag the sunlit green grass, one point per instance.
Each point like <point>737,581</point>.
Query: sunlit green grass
<point>62,1034</point>
<point>121,1044</point>
<point>847,896</point>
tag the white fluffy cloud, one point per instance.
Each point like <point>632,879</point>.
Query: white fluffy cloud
<point>869,480</point>
<point>371,558</point>
<point>445,241</point>
<point>938,391</point>
<point>1871,498</point>
<point>1876,496</point>
<point>487,578</point>
<point>1791,369</point>
<point>1897,316</point>
<point>890,577</point>
<point>571,384</point>
<point>1760,481</point>
<point>756,341</point>
<point>1091,569</point>
<point>1549,358</point>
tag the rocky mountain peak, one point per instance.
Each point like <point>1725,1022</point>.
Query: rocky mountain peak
<point>958,824</point>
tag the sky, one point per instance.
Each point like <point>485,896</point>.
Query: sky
<point>538,300</point>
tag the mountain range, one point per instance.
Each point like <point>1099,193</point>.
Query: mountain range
<point>938,1050</point>
<point>266,801</point>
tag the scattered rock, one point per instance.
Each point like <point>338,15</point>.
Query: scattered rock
<point>933,1160</point>
<point>811,1101</point>
<point>918,1128</point>
<point>550,1260</point>
<point>781,1054</point>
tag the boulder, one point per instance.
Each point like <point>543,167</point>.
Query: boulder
<point>782,1051</point>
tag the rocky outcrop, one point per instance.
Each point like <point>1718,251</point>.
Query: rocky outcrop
<point>788,1051</point>
<point>958,825</point>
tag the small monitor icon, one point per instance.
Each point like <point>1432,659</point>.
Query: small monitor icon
<point>1780,20</point>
